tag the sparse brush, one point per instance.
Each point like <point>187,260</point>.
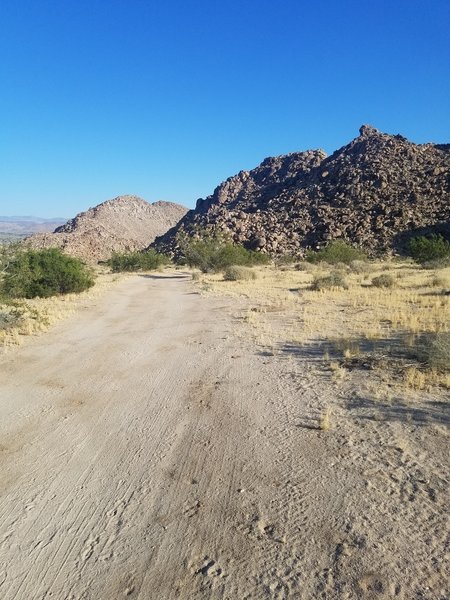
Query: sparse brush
<point>347,346</point>
<point>383,281</point>
<point>361,267</point>
<point>334,280</point>
<point>236,273</point>
<point>285,260</point>
<point>437,263</point>
<point>414,378</point>
<point>196,276</point>
<point>339,372</point>
<point>435,349</point>
<point>439,282</point>
<point>325,420</point>
<point>307,267</point>
<point>10,317</point>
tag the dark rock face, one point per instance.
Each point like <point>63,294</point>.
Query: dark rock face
<point>370,193</point>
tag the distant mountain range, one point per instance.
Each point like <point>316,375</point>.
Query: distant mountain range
<point>31,219</point>
<point>17,227</point>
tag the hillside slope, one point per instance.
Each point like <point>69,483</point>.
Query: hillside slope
<point>370,192</point>
<point>121,224</point>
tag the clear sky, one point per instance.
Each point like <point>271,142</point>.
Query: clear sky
<point>164,99</point>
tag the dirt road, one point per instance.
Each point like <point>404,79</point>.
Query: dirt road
<point>148,453</point>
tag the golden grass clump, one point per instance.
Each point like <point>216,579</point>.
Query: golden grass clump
<point>325,419</point>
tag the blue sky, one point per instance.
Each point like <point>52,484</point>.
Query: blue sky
<point>167,99</point>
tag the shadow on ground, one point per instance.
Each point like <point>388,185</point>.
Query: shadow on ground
<point>362,352</point>
<point>148,276</point>
<point>368,409</point>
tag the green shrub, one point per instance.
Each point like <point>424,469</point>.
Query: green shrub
<point>44,273</point>
<point>334,280</point>
<point>238,273</point>
<point>213,254</point>
<point>137,261</point>
<point>384,281</point>
<point>336,252</point>
<point>426,249</point>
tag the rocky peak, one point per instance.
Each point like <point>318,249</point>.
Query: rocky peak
<point>125,223</point>
<point>370,193</point>
<point>368,130</point>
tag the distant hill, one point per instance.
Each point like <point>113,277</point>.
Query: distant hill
<point>124,223</point>
<point>373,193</point>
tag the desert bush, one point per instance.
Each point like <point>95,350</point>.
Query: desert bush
<point>214,253</point>
<point>137,261</point>
<point>432,248</point>
<point>44,273</point>
<point>9,318</point>
<point>336,252</point>
<point>361,267</point>
<point>239,273</point>
<point>414,378</point>
<point>285,260</point>
<point>439,282</point>
<point>334,280</point>
<point>384,281</point>
<point>435,350</point>
<point>437,263</point>
<point>306,267</point>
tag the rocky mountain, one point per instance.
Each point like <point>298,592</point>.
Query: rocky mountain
<point>125,223</point>
<point>372,192</point>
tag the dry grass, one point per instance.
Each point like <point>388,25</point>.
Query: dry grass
<point>325,420</point>
<point>355,318</point>
<point>37,315</point>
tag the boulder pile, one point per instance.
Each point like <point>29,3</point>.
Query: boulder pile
<point>371,193</point>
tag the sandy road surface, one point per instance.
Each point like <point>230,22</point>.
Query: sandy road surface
<point>146,453</point>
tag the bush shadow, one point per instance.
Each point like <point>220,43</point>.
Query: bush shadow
<point>426,413</point>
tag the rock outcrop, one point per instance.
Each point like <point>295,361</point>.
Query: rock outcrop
<point>371,193</point>
<point>123,224</point>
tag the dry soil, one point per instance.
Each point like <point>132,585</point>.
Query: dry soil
<point>147,451</point>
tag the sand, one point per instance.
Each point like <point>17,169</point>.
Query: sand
<point>149,450</point>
